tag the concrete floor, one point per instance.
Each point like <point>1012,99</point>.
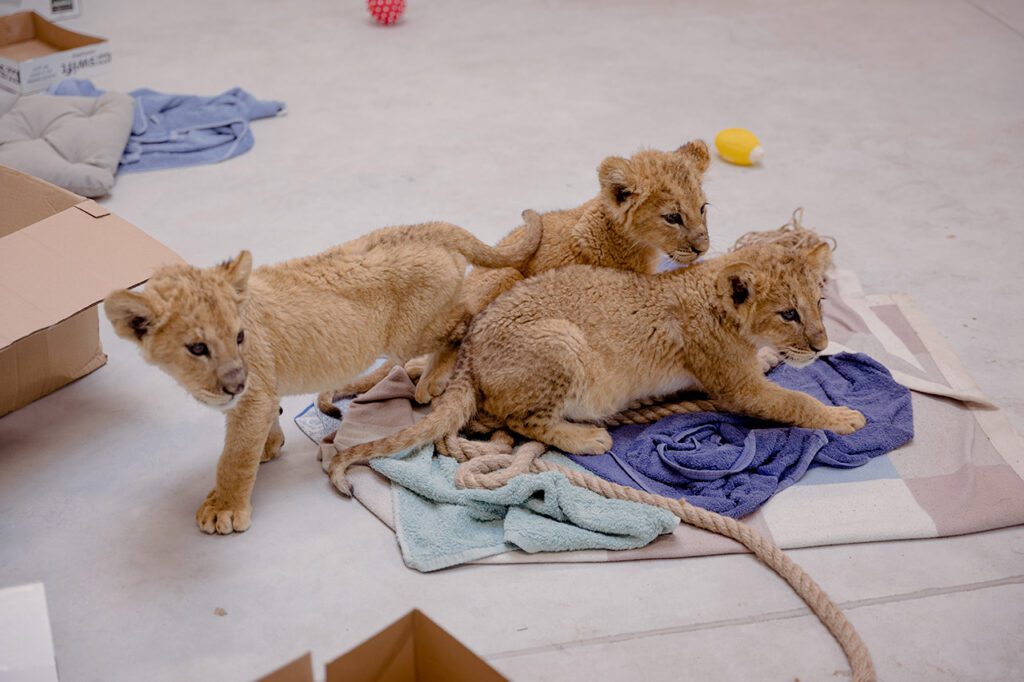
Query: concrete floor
<point>898,125</point>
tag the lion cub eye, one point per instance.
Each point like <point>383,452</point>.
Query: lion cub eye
<point>673,219</point>
<point>704,208</point>
<point>790,315</point>
<point>240,338</point>
<point>198,349</point>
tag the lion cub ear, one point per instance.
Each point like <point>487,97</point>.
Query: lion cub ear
<point>618,180</point>
<point>819,257</point>
<point>238,271</point>
<point>696,151</point>
<point>736,286</point>
<point>131,314</point>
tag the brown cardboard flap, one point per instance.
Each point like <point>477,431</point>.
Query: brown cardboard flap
<point>25,199</point>
<point>92,208</point>
<point>388,656</point>
<point>29,27</point>
<point>56,267</point>
<point>43,362</point>
<point>16,28</point>
<point>442,658</point>
<point>61,38</point>
<point>65,263</point>
<point>412,649</point>
<point>299,670</point>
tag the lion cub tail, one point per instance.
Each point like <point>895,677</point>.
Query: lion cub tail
<point>452,410</point>
<point>522,243</point>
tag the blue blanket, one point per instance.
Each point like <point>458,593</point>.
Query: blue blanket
<point>439,525</point>
<point>733,465</point>
<point>172,131</point>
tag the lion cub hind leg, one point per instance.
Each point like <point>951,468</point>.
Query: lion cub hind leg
<point>549,357</point>
<point>576,439</point>
<point>435,375</point>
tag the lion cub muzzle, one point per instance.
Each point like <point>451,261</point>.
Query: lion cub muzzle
<point>231,379</point>
<point>699,242</point>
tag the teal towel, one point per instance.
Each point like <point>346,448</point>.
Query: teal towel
<point>439,525</point>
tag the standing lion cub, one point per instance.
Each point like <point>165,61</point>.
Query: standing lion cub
<point>577,345</point>
<point>238,340</point>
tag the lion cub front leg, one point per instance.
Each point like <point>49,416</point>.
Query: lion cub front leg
<point>275,439</point>
<point>765,400</point>
<point>228,507</point>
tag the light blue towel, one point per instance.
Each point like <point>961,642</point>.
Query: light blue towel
<point>172,131</point>
<point>439,525</point>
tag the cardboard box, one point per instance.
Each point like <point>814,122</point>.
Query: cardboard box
<point>60,254</point>
<point>35,53</point>
<point>54,10</point>
<point>412,649</point>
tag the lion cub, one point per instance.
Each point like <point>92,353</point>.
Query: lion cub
<point>238,342</point>
<point>649,204</point>
<point>579,344</point>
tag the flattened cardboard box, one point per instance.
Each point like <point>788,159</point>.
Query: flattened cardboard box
<point>412,649</point>
<point>59,255</point>
<point>35,53</point>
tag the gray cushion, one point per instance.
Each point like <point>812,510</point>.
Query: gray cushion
<point>73,142</point>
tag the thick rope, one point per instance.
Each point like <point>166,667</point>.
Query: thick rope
<point>645,414</point>
<point>492,464</point>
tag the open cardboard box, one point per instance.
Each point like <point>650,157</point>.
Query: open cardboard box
<point>35,53</point>
<point>59,255</point>
<point>412,649</point>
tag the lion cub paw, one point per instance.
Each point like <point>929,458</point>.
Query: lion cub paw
<point>217,515</point>
<point>272,448</point>
<point>585,441</point>
<point>430,386</point>
<point>768,358</point>
<point>843,420</point>
<point>423,393</point>
<point>340,481</point>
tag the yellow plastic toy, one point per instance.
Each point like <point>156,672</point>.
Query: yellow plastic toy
<point>739,146</point>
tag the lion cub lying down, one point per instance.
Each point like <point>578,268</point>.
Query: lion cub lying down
<point>649,204</point>
<point>238,342</point>
<point>579,344</point>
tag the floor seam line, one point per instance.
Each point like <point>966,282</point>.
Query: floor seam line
<point>996,18</point>
<point>788,614</point>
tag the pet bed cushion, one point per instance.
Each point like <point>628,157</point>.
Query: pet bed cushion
<point>73,142</point>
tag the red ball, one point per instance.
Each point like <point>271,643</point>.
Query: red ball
<point>386,12</point>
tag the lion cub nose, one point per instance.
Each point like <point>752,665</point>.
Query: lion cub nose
<point>233,382</point>
<point>700,243</point>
